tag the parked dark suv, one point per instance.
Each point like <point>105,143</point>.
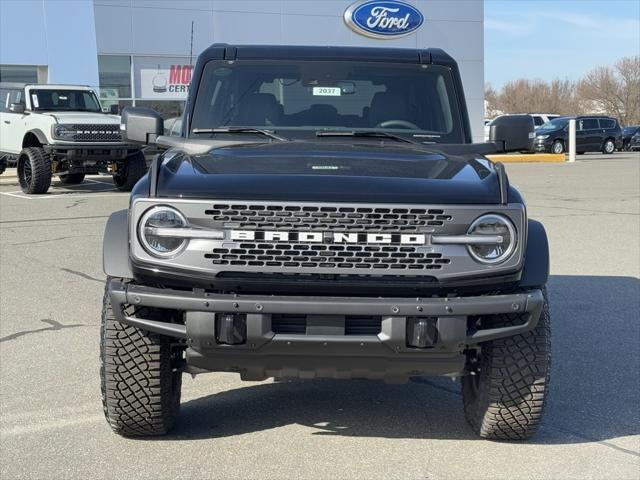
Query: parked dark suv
<point>593,134</point>
<point>627,134</point>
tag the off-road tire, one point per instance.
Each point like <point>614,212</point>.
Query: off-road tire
<point>609,146</point>
<point>134,169</point>
<point>506,398</point>
<point>557,147</point>
<point>71,178</point>
<point>140,390</point>
<point>34,170</point>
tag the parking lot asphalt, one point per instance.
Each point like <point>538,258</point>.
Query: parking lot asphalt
<point>51,421</point>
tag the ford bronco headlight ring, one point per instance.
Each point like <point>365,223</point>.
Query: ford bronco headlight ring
<point>62,132</point>
<point>155,231</point>
<point>495,226</point>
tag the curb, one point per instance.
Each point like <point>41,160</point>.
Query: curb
<point>528,158</point>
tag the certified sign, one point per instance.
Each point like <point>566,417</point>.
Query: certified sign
<point>383,19</point>
<point>166,83</point>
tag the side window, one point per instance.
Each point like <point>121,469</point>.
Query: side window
<point>9,96</point>
<point>4,100</point>
<point>537,121</point>
<point>607,123</point>
<point>589,124</point>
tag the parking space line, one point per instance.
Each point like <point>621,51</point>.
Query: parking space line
<point>100,194</point>
<point>13,194</point>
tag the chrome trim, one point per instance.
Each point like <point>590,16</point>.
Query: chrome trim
<point>467,239</point>
<point>142,229</point>
<point>511,247</point>
<point>185,232</point>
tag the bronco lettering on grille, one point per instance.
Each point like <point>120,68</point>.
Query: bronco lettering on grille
<point>329,237</point>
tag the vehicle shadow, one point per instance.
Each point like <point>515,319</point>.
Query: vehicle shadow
<point>596,364</point>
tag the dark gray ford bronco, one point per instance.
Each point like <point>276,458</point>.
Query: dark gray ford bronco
<point>324,213</point>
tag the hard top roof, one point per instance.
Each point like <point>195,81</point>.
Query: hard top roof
<point>223,51</point>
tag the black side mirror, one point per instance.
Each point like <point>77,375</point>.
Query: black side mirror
<point>16,107</point>
<point>141,125</point>
<point>512,133</point>
<point>114,109</point>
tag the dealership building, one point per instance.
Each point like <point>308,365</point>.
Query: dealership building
<point>141,52</point>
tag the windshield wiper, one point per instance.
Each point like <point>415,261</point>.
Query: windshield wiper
<point>363,133</point>
<point>268,133</point>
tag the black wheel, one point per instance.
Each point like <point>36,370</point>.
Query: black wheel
<point>505,398</point>
<point>71,178</point>
<point>140,386</point>
<point>557,147</point>
<point>34,170</point>
<point>609,146</point>
<point>133,170</point>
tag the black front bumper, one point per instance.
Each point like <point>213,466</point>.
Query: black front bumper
<point>265,353</point>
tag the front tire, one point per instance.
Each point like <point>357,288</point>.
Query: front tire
<point>609,146</point>
<point>34,170</point>
<point>135,167</point>
<point>140,389</point>
<point>72,178</point>
<point>557,147</point>
<point>505,398</point>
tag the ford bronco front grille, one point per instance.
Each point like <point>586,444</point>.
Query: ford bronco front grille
<point>323,218</point>
<point>325,238</point>
<point>88,132</point>
<point>353,257</point>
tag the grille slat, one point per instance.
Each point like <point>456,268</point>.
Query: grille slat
<point>313,219</point>
<point>343,256</point>
<point>292,324</point>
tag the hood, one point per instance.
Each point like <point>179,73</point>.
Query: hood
<point>354,171</point>
<point>84,117</point>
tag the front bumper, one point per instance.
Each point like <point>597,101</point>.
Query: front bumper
<point>541,146</point>
<point>265,353</point>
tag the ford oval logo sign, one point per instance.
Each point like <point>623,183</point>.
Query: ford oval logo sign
<point>383,19</point>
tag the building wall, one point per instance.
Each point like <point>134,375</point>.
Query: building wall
<point>67,35</point>
<point>159,27</point>
<point>59,34</point>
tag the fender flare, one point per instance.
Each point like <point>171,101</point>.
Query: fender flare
<point>536,266</point>
<point>42,138</point>
<point>115,246</point>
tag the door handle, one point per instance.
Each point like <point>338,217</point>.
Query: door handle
<point>7,122</point>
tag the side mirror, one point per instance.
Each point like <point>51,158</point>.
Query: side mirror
<point>114,109</point>
<point>16,107</point>
<point>513,133</point>
<point>141,125</point>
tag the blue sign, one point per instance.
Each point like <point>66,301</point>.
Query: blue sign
<point>383,19</point>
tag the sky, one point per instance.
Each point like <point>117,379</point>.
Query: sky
<point>550,39</point>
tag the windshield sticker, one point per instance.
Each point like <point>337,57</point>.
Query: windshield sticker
<point>34,100</point>
<point>327,91</point>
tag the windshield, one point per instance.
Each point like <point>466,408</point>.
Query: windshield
<point>630,129</point>
<point>64,100</point>
<point>415,100</point>
<point>554,124</point>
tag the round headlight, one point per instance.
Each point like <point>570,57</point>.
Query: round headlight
<point>155,231</point>
<point>497,226</point>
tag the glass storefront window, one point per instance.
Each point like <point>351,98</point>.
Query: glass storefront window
<point>114,72</point>
<point>19,73</point>
<point>167,109</point>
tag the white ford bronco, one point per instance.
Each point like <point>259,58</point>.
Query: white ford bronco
<point>61,130</point>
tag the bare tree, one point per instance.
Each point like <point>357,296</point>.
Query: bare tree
<point>614,90</point>
<point>523,95</point>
